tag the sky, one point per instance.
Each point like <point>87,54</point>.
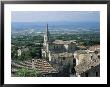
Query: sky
<point>54,16</point>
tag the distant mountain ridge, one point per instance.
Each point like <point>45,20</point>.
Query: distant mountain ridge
<point>55,26</point>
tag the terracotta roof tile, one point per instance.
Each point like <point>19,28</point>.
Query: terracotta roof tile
<point>40,64</point>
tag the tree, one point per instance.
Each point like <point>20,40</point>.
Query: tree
<point>24,72</point>
<point>33,52</point>
<point>25,56</point>
<point>14,53</point>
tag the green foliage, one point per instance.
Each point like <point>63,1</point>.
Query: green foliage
<point>23,40</point>
<point>30,42</point>
<point>90,42</point>
<point>14,52</point>
<point>25,56</point>
<point>24,72</point>
<point>88,39</point>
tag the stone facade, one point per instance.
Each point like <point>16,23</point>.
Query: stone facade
<point>88,64</point>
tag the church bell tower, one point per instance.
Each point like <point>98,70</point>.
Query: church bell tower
<point>46,35</point>
<point>46,40</point>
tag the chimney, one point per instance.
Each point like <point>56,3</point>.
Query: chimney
<point>33,61</point>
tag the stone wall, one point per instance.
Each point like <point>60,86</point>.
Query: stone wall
<point>93,72</point>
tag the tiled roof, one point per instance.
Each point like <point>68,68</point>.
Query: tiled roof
<point>65,54</point>
<point>93,48</point>
<point>40,64</point>
<point>82,47</point>
<point>87,64</point>
<point>81,51</point>
<point>63,42</point>
<point>44,67</point>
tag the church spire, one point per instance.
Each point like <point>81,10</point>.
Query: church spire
<point>46,36</point>
<point>47,32</point>
<point>47,29</point>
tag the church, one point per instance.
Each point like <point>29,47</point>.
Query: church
<point>58,52</point>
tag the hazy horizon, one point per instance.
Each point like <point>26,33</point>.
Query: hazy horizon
<point>55,16</point>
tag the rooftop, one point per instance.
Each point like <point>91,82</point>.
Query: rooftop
<point>81,51</point>
<point>65,54</point>
<point>87,64</point>
<point>40,64</point>
<point>95,47</point>
<point>63,42</point>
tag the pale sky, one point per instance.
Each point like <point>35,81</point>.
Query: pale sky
<point>48,16</point>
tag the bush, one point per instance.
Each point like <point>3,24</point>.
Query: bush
<point>24,72</point>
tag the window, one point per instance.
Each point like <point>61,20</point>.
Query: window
<point>96,52</point>
<point>63,58</point>
<point>74,62</point>
<point>91,57</point>
<point>92,66</point>
<point>73,56</point>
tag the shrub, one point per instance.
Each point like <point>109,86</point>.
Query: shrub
<point>24,72</point>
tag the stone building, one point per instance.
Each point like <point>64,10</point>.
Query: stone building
<point>19,52</point>
<point>58,52</point>
<point>22,49</point>
<point>87,63</point>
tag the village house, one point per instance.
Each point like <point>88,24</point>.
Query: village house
<point>22,49</point>
<point>87,63</point>
<point>19,52</point>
